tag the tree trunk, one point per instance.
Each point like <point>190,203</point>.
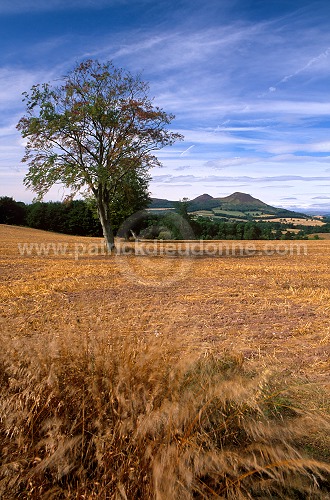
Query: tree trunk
<point>103,212</point>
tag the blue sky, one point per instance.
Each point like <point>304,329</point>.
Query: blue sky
<point>248,81</point>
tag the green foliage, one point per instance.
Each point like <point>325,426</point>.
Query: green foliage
<point>132,197</point>
<point>230,213</point>
<point>165,234</point>
<point>74,217</point>
<point>12,212</point>
<point>211,228</point>
<point>181,207</point>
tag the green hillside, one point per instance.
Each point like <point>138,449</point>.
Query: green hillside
<point>236,205</point>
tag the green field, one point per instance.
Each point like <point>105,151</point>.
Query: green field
<point>229,213</point>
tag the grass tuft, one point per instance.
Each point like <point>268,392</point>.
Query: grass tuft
<point>111,417</point>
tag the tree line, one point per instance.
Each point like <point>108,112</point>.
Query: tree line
<point>79,218</point>
<point>168,226</point>
<point>74,217</point>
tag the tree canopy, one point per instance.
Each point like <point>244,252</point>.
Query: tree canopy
<point>11,211</point>
<point>97,131</point>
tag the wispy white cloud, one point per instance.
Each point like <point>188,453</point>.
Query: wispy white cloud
<point>307,108</point>
<point>222,163</point>
<point>13,82</point>
<point>183,168</point>
<point>308,147</point>
<point>213,178</point>
<point>298,159</point>
<point>311,62</point>
<point>186,151</point>
<point>206,137</point>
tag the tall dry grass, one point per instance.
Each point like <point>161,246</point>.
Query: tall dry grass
<point>109,417</point>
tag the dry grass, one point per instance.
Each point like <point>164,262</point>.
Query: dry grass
<point>210,382</point>
<point>296,221</point>
<point>322,236</point>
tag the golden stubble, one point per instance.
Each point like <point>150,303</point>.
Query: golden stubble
<point>172,377</point>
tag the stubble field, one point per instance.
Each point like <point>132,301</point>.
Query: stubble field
<point>264,310</point>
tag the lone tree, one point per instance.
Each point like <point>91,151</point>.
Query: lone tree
<point>93,132</point>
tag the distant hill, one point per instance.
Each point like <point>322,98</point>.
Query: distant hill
<point>318,211</point>
<point>161,203</point>
<point>243,199</point>
<point>235,205</point>
<point>235,201</point>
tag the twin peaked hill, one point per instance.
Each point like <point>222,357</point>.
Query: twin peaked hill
<point>235,205</point>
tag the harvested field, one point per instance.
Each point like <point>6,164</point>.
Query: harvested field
<point>322,236</point>
<point>297,222</point>
<point>271,307</point>
<point>266,306</point>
